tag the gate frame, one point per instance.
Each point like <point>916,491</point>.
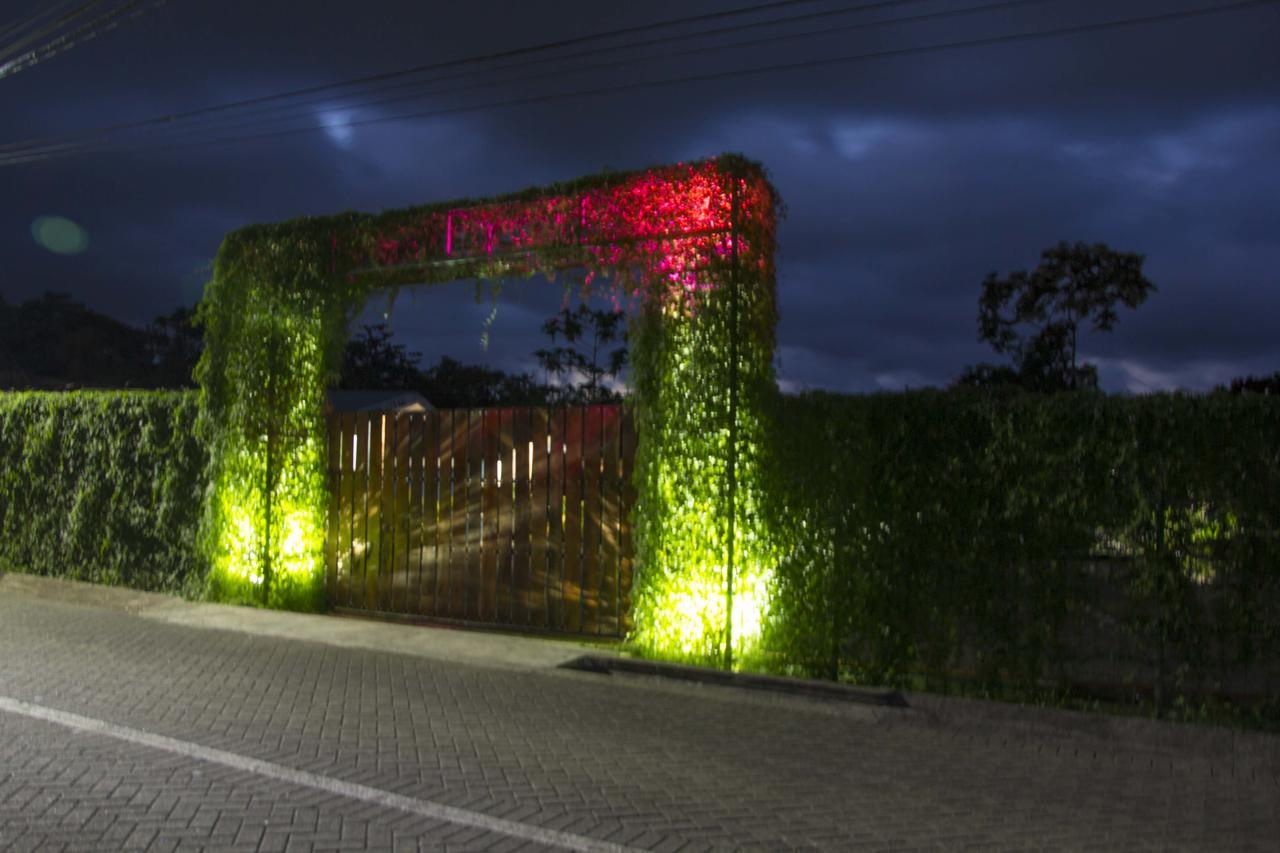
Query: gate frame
<point>678,243</point>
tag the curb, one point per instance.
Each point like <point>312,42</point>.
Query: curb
<point>603,665</point>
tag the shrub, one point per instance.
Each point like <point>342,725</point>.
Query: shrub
<point>102,486</point>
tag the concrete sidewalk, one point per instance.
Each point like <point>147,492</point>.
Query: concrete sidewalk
<point>456,645</point>
<point>1230,749</point>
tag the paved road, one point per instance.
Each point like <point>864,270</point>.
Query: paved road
<point>122,732</point>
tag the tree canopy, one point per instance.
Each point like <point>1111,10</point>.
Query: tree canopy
<point>1035,317</point>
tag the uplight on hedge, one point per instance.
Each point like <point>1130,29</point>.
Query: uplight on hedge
<point>689,248</point>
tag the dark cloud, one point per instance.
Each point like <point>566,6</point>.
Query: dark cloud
<point>907,180</point>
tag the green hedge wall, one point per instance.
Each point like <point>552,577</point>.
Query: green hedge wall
<point>103,486</point>
<point>941,531</point>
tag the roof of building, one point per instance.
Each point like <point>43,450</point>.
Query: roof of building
<point>379,401</point>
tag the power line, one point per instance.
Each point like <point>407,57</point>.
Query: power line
<point>22,23</point>
<point>46,29</point>
<point>104,23</point>
<point>306,100</point>
<point>1008,38</point>
<point>438,66</point>
<point>624,62</point>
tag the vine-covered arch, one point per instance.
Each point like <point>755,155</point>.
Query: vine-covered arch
<point>688,247</point>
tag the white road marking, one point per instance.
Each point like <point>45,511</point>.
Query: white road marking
<point>351,790</point>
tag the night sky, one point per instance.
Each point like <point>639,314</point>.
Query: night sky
<point>906,178</point>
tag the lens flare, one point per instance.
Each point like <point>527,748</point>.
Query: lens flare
<point>59,235</point>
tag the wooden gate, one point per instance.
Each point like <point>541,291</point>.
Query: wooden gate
<point>517,517</point>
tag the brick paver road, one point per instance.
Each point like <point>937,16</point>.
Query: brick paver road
<point>122,732</point>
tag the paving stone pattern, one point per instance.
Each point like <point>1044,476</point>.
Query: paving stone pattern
<point>614,759</point>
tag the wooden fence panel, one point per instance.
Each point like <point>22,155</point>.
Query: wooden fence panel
<point>342,523</point>
<point>591,460</point>
<point>472,579</point>
<point>458,517</point>
<point>500,516</point>
<point>488,546</point>
<point>428,519</point>
<point>539,590</point>
<point>557,617</point>
<point>399,593</point>
<point>387,513</point>
<point>610,517</point>
<point>502,526</point>
<point>626,541</point>
<point>373,513</point>
<point>332,550</point>
<point>521,607</point>
<point>359,512</point>
<point>573,520</point>
<point>413,518</point>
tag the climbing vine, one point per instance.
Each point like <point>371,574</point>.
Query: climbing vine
<point>688,248</point>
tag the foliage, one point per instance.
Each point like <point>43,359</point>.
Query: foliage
<point>449,384</point>
<point>579,377</point>
<point>1074,283</point>
<point>372,361</point>
<point>946,532</point>
<point>102,486</point>
<point>1256,384</point>
<point>55,342</point>
<point>174,343</point>
<point>665,240</point>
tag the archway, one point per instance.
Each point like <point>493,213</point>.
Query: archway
<point>689,247</point>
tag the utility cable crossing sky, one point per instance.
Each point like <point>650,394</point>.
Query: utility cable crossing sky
<point>229,123</point>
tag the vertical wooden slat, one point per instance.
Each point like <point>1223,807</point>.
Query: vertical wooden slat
<point>540,581</point>
<point>524,597</point>
<point>335,509</point>
<point>475,505</point>
<point>458,516</point>
<point>387,512</point>
<point>359,511</point>
<point>490,522</point>
<point>557,611</point>
<point>346,513</point>
<point>398,578</point>
<point>373,517</point>
<point>573,519</point>
<point>428,521</point>
<point>610,514</point>
<point>501,545</point>
<point>591,459</point>
<point>626,562</point>
<point>413,519</point>
<point>448,448</point>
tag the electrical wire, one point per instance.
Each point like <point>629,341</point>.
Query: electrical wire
<point>61,44</point>
<point>21,156</point>
<point>47,29</point>
<point>305,101</point>
<point>18,25</point>
<point>301,110</point>
<point>438,66</point>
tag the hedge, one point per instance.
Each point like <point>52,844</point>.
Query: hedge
<point>1012,536</point>
<point>103,486</point>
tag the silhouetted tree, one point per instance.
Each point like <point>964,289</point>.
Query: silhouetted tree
<point>1074,284</point>
<point>56,342</point>
<point>372,361</point>
<point>449,384</point>
<point>1256,384</point>
<point>579,375</point>
<point>175,343</point>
